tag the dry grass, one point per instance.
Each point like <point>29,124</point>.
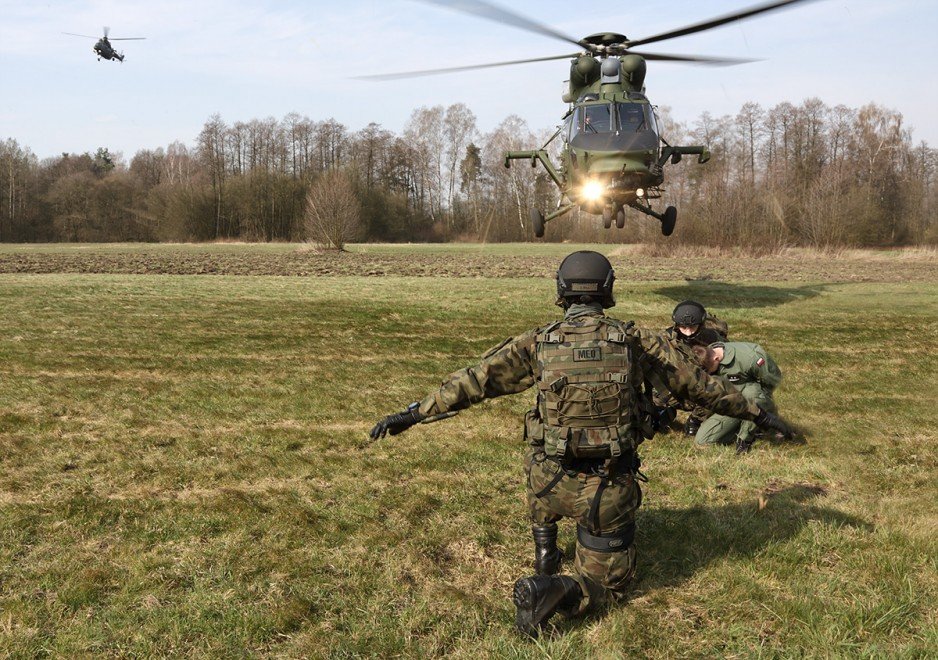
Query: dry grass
<point>183,472</point>
<point>793,254</point>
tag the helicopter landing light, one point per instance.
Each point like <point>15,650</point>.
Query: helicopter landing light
<point>639,192</point>
<point>593,191</point>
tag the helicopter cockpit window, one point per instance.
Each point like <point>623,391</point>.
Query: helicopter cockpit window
<point>632,117</point>
<point>568,128</point>
<point>595,118</point>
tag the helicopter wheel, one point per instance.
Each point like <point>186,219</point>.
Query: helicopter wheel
<point>537,221</point>
<point>668,221</point>
<point>607,217</point>
<point>620,219</point>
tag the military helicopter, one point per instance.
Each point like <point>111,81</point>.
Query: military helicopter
<point>103,47</point>
<point>613,154</point>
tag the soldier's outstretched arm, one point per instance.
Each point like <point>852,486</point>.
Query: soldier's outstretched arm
<point>508,368</point>
<point>687,380</point>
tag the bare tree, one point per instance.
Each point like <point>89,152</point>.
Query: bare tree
<point>424,132</point>
<point>333,213</point>
<point>212,154</point>
<point>459,126</point>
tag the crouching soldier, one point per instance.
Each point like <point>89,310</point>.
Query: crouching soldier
<point>690,322</point>
<point>750,369</point>
<point>690,317</point>
<point>583,432</point>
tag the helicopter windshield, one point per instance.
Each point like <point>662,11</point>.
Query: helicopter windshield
<point>596,118</point>
<point>632,117</point>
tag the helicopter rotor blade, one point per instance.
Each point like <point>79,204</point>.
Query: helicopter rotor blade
<point>493,12</point>
<point>87,36</point>
<point>716,22</point>
<point>456,69</point>
<point>695,59</point>
<point>127,38</point>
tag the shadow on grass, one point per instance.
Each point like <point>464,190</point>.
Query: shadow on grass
<point>725,295</point>
<point>673,544</point>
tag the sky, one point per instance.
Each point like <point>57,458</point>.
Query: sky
<point>253,59</point>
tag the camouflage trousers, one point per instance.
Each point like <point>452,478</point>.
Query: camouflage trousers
<point>603,506</point>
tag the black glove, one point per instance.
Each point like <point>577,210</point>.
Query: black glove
<point>398,422</point>
<point>691,426</point>
<point>744,446</point>
<point>767,420</point>
<point>661,418</point>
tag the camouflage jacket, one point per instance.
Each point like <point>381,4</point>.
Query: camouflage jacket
<point>511,367</point>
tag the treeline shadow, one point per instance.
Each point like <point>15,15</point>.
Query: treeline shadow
<point>725,295</point>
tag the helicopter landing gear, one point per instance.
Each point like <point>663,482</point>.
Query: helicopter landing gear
<point>607,217</point>
<point>668,221</point>
<point>537,222</point>
<point>620,219</point>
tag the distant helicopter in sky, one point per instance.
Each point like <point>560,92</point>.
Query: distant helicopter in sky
<point>103,47</point>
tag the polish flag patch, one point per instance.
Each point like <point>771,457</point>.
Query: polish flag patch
<point>760,362</point>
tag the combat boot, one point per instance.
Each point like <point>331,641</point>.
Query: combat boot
<point>539,597</point>
<point>691,426</point>
<point>547,556</point>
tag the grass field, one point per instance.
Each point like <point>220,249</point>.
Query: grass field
<point>183,466</point>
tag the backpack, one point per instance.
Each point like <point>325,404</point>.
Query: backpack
<point>588,389</point>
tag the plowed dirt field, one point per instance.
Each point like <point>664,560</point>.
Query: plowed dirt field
<point>447,262</point>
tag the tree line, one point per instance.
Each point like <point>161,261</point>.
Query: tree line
<point>805,174</point>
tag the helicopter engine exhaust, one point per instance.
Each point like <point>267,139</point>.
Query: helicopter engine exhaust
<point>634,68</point>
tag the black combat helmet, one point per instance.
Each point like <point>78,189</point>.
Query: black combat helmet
<point>705,337</point>
<point>585,276</point>
<point>689,312</point>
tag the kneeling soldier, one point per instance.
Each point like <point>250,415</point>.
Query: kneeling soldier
<point>691,321</point>
<point>583,433</point>
<point>750,369</point>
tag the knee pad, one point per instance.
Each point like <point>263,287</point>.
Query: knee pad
<point>617,541</point>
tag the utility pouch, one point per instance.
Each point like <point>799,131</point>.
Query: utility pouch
<point>533,427</point>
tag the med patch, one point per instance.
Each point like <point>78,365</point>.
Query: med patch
<point>587,354</point>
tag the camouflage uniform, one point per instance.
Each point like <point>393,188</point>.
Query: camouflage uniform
<point>755,373</point>
<point>666,398</point>
<point>563,479</point>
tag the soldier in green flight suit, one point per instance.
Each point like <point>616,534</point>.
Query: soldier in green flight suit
<point>750,369</point>
<point>583,433</point>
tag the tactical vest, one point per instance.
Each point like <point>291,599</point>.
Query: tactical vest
<point>587,389</point>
